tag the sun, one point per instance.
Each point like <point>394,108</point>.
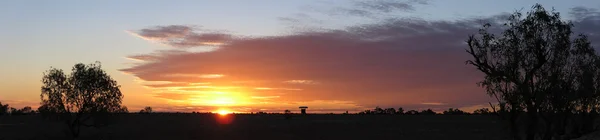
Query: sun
<point>223,112</point>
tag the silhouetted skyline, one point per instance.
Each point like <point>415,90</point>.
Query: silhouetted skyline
<point>263,55</point>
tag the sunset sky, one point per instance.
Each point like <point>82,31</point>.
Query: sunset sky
<point>263,55</point>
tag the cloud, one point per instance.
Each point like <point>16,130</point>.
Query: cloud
<point>174,96</point>
<point>174,84</point>
<point>402,62</point>
<point>581,13</point>
<point>206,39</point>
<point>387,6</point>
<point>382,64</point>
<point>372,8</point>
<point>155,56</point>
<point>300,21</point>
<point>197,75</point>
<point>301,82</point>
<point>432,103</point>
<point>317,106</point>
<point>587,21</point>
<point>182,36</point>
<point>165,32</point>
<point>265,97</point>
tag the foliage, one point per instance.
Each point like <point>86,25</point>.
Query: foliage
<point>3,109</point>
<point>24,111</point>
<point>454,111</point>
<point>27,110</point>
<point>261,112</point>
<point>400,111</point>
<point>123,109</point>
<point>412,112</point>
<point>427,112</point>
<point>14,111</point>
<point>287,114</point>
<point>538,71</point>
<point>49,113</point>
<point>82,98</point>
<point>366,112</point>
<point>482,111</point>
<point>390,111</point>
<point>379,110</point>
<point>146,110</point>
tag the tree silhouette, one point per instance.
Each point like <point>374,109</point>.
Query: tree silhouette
<point>3,109</point>
<point>400,111</point>
<point>366,112</point>
<point>427,112</point>
<point>24,111</point>
<point>27,110</point>
<point>146,110</point>
<point>390,111</point>
<point>14,111</point>
<point>287,114</point>
<point>81,97</point>
<point>378,110</point>
<point>412,112</point>
<point>537,72</point>
<point>482,111</point>
<point>49,113</point>
<point>123,109</point>
<point>454,111</point>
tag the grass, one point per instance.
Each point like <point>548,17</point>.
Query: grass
<point>266,127</point>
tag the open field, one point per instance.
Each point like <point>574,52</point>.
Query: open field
<point>266,127</point>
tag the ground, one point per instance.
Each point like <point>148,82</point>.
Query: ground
<point>265,127</point>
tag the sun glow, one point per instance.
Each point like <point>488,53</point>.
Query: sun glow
<point>222,97</point>
<point>222,101</point>
<point>223,112</point>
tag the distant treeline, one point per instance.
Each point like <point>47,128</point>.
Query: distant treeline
<point>5,109</point>
<point>400,111</point>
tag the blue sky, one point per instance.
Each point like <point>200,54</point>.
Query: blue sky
<point>35,35</point>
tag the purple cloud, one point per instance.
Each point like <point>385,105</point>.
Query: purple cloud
<point>373,8</point>
<point>398,62</point>
<point>181,36</point>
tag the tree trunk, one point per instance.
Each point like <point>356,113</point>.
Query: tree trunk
<point>532,123</point>
<point>514,128</point>
<point>549,132</point>
<point>588,123</point>
<point>74,127</point>
<point>561,128</point>
<point>74,130</point>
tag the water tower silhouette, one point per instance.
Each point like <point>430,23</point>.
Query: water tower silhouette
<point>303,109</point>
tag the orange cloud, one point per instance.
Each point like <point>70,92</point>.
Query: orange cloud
<point>396,63</point>
<point>432,103</point>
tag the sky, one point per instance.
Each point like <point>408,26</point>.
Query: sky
<point>263,55</point>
